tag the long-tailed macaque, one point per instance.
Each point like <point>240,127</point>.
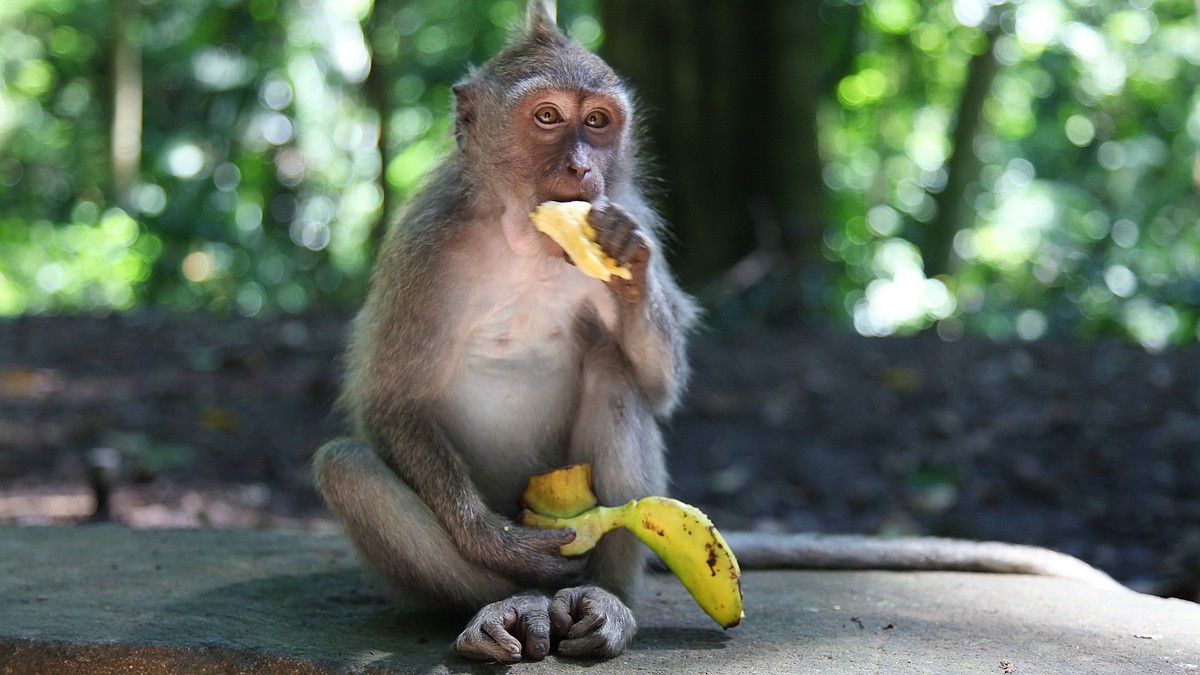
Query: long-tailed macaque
<point>481,356</point>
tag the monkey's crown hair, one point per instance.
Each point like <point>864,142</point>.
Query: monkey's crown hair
<point>540,56</point>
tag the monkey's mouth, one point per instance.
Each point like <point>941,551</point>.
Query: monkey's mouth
<point>568,196</point>
<point>561,189</point>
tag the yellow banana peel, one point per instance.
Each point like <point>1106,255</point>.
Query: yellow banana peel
<point>680,534</point>
<point>567,224</point>
<point>561,493</point>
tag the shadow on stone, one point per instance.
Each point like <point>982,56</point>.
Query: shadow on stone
<point>678,637</point>
<point>318,616</point>
<point>110,600</point>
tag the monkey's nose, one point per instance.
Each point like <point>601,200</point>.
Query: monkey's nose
<point>578,170</point>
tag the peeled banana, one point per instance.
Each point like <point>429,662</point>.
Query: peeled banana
<point>561,493</point>
<point>567,225</point>
<point>680,534</point>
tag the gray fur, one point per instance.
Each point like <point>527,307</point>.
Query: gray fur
<point>481,356</point>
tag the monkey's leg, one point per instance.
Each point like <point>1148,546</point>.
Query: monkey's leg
<point>400,541</point>
<point>398,538</point>
<point>617,432</point>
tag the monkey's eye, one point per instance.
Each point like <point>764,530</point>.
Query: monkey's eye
<point>548,114</point>
<point>596,119</point>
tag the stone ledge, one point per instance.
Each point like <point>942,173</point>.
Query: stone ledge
<point>108,599</point>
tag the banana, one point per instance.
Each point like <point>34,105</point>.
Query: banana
<point>567,225</point>
<point>680,534</point>
<point>561,493</point>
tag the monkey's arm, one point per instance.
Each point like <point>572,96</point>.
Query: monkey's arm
<point>410,442</point>
<point>655,315</point>
<point>400,356</point>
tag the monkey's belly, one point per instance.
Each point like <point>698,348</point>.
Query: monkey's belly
<point>512,417</point>
<point>513,396</point>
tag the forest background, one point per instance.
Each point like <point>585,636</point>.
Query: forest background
<point>1016,170</point>
<point>191,193</point>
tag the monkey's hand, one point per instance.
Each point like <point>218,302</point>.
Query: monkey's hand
<point>528,555</point>
<point>591,622</point>
<point>500,631</point>
<point>622,240</point>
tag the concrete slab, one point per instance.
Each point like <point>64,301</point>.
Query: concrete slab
<point>108,600</point>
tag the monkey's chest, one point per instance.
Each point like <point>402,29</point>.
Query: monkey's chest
<point>517,342</point>
<point>514,394</point>
<point>521,325</point>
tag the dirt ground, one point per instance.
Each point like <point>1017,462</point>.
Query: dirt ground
<point>1092,449</point>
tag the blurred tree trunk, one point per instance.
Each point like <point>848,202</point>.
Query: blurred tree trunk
<point>730,92</point>
<point>378,93</point>
<point>125,131</point>
<point>954,212</point>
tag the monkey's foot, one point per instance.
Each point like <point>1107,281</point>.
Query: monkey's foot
<point>591,622</point>
<point>500,631</point>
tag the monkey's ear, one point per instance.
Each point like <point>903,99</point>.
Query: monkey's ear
<point>540,17</point>
<point>464,110</point>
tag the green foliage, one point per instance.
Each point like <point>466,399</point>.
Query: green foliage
<point>1085,206</point>
<point>277,133</point>
<point>98,260</point>
<point>262,179</point>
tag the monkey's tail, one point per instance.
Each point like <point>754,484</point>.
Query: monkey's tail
<point>854,552</point>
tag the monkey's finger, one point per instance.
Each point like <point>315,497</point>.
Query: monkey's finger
<point>630,244</point>
<point>589,613</point>
<point>537,634</point>
<point>604,217</point>
<point>536,541</point>
<point>486,640</point>
<point>614,240</point>
<point>629,291</point>
<point>586,624</point>
<point>484,648</point>
<point>562,607</point>
<point>602,644</point>
<point>604,626</point>
<point>555,537</point>
<point>618,236</point>
<point>495,627</point>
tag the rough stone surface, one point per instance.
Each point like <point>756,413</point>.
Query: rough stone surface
<point>110,600</point>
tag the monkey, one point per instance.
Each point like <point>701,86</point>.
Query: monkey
<point>482,356</point>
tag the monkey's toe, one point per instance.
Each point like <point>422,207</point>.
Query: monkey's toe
<point>592,622</point>
<point>506,630</point>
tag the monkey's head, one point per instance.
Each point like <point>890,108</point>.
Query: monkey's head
<point>545,117</point>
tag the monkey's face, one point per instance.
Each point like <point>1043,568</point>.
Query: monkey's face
<point>568,143</point>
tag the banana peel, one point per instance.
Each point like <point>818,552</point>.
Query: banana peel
<point>680,534</point>
<point>567,224</point>
<point>561,493</point>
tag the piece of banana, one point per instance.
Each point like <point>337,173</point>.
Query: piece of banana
<point>680,534</point>
<point>567,225</point>
<point>561,493</point>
